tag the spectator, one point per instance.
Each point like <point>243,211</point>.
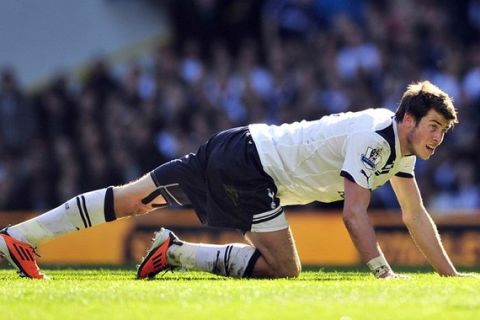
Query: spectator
<point>313,57</point>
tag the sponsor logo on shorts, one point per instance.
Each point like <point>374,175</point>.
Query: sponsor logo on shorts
<point>232,194</point>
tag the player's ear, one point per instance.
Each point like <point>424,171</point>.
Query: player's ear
<point>409,120</point>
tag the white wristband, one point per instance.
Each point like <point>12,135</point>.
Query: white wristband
<point>379,266</point>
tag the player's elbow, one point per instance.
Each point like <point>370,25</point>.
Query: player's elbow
<point>407,220</point>
<point>351,214</point>
<point>410,218</point>
<point>348,216</point>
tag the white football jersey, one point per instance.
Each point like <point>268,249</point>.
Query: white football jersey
<point>308,160</point>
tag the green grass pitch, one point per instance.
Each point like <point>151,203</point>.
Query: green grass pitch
<point>343,294</point>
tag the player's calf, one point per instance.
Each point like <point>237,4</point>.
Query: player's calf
<point>235,260</point>
<point>279,257</point>
<point>137,198</point>
<point>81,212</point>
<point>274,270</point>
<point>167,251</point>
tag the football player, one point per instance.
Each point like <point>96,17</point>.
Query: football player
<point>243,178</point>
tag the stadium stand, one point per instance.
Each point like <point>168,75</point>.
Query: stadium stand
<point>274,61</point>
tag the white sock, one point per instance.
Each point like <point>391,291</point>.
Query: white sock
<point>81,212</point>
<point>232,260</point>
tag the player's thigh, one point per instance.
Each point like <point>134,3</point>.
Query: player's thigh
<point>128,198</point>
<point>279,253</point>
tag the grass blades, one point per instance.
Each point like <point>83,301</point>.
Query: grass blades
<point>318,294</point>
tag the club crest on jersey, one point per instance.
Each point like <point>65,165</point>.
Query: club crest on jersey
<point>371,158</point>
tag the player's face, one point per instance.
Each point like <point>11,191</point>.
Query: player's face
<point>427,135</point>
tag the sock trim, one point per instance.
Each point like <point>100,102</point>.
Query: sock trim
<point>226,259</point>
<point>249,269</point>
<point>87,215</point>
<point>80,211</point>
<point>109,210</point>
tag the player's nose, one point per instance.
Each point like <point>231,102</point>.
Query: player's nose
<point>438,138</point>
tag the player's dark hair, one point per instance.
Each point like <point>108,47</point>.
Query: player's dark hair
<point>421,97</point>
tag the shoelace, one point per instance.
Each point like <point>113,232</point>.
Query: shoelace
<point>36,252</point>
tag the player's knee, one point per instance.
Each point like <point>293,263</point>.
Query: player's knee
<point>287,270</point>
<point>286,273</point>
<point>294,270</point>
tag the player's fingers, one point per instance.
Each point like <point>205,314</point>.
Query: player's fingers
<point>468,275</point>
<point>392,275</point>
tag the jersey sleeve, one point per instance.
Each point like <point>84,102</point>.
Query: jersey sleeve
<point>407,167</point>
<point>364,154</point>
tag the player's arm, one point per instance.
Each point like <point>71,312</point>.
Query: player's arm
<point>421,226</point>
<point>357,200</point>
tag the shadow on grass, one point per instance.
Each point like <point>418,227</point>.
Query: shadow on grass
<point>128,272</point>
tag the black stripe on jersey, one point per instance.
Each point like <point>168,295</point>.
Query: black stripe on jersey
<point>81,212</point>
<point>86,211</point>
<point>388,134</point>
<point>347,175</point>
<point>404,175</point>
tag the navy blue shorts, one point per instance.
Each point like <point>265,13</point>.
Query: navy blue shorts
<point>224,182</point>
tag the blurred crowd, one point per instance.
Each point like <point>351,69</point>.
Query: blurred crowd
<point>231,63</point>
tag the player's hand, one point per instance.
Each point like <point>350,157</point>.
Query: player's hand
<point>467,275</point>
<point>393,275</point>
